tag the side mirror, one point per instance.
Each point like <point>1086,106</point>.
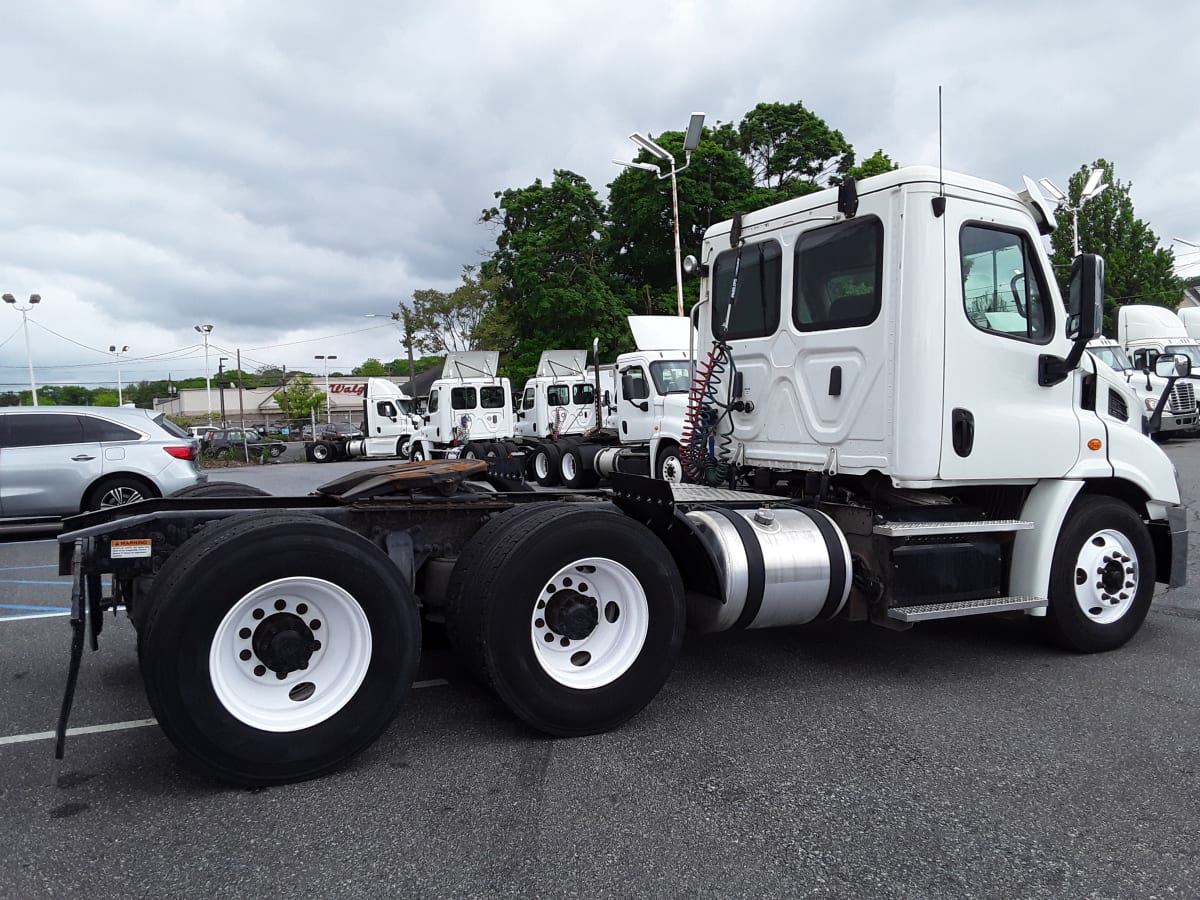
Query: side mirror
<point>1085,304</point>
<point>1169,365</point>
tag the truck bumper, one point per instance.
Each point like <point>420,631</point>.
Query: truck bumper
<point>1171,546</point>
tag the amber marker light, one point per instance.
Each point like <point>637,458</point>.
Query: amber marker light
<point>1095,444</point>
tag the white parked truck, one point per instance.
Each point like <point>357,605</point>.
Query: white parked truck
<point>1148,401</point>
<point>648,391</point>
<point>388,422</point>
<point>876,440</point>
<point>1147,332</point>
<point>469,412</point>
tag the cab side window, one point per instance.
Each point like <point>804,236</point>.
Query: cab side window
<point>433,402</point>
<point>462,398</point>
<point>528,400</point>
<point>558,394</point>
<point>755,310</point>
<point>583,394</point>
<point>491,397</point>
<point>634,385</point>
<point>1004,288</point>
<point>838,280</point>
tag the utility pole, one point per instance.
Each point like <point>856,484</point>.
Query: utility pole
<point>221,388</point>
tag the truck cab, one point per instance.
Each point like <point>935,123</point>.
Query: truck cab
<point>389,421</point>
<point>559,399</point>
<point>1148,332</point>
<point>1145,389</point>
<point>469,405</point>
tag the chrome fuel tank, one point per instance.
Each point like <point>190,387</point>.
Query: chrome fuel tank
<point>775,566</point>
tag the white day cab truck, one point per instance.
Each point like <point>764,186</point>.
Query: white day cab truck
<point>564,398</point>
<point>469,413</point>
<point>389,424</point>
<point>1147,332</point>
<point>642,433</point>
<point>869,444</point>
<point>1162,413</point>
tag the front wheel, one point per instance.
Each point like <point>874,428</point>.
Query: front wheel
<point>418,453</point>
<point>670,466</point>
<point>285,660</point>
<point>574,616</point>
<point>1102,581</point>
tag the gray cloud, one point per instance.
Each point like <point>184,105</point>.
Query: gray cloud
<point>280,169</point>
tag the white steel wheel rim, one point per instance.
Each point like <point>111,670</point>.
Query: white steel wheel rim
<point>1106,576</point>
<point>568,467</point>
<point>302,698</point>
<point>671,469</point>
<point>541,464</point>
<point>119,496</point>
<point>614,642</point>
<point>320,452</point>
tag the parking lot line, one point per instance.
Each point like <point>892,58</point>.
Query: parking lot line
<point>138,723</point>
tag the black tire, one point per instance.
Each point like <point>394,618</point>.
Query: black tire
<point>418,454</point>
<point>402,446</point>
<point>472,450</point>
<point>118,490</point>
<point>277,451</point>
<point>221,490</point>
<point>669,466</point>
<point>196,603</point>
<point>1102,580</point>
<point>623,630</point>
<point>545,464</point>
<point>322,451</point>
<point>575,467</point>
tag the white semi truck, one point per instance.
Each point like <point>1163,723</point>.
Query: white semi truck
<point>875,442</point>
<point>1148,398</point>
<point>644,397</point>
<point>388,421</point>
<point>469,413</point>
<point>1147,332</point>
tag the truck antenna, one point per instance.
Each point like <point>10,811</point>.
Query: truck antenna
<point>939,202</point>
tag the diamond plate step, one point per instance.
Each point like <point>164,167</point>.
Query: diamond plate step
<point>964,608</point>
<point>919,529</point>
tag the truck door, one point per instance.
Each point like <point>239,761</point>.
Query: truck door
<point>634,410</point>
<point>997,421</point>
<point>526,424</point>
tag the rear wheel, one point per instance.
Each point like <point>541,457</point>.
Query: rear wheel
<point>569,614</point>
<point>277,450</point>
<point>118,491</point>
<point>473,451</point>
<point>1102,579</point>
<point>545,464</point>
<point>576,469</point>
<point>222,490</point>
<point>285,660</point>
<point>322,452</point>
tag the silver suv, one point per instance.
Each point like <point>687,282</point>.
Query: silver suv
<point>61,460</point>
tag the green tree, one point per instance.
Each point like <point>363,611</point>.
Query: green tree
<point>1136,269</point>
<point>441,322</point>
<point>372,368</point>
<point>300,399</point>
<point>554,285</point>
<point>792,149</point>
<point>876,164</point>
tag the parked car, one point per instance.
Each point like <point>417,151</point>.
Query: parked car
<point>62,460</point>
<point>332,431</point>
<point>228,443</point>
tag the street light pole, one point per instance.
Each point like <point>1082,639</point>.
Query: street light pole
<point>1091,188</point>
<point>112,348</point>
<point>221,387</point>
<point>690,142</point>
<point>34,299</point>
<point>206,330</point>
<point>328,398</point>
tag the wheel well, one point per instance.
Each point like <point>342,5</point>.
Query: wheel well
<point>101,483</point>
<point>1118,489</point>
<point>663,446</point>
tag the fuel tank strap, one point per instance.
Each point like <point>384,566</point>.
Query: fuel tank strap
<point>837,563</point>
<point>756,567</point>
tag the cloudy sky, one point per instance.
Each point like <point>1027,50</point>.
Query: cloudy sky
<point>282,169</point>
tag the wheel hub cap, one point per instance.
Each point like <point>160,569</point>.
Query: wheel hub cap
<point>572,615</point>
<point>284,643</point>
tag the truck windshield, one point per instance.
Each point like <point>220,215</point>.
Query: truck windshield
<point>670,377</point>
<point>1113,357</point>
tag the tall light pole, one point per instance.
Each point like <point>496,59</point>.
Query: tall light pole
<point>1091,188</point>
<point>328,398</point>
<point>690,142</point>
<point>112,348</point>
<point>405,333</point>
<point>221,386</point>
<point>205,331</point>
<point>34,300</point>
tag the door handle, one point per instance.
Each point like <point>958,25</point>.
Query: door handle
<point>962,431</point>
<point>82,457</point>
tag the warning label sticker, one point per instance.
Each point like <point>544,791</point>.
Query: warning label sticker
<point>130,549</point>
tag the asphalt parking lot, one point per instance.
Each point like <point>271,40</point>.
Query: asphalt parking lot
<point>961,758</point>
